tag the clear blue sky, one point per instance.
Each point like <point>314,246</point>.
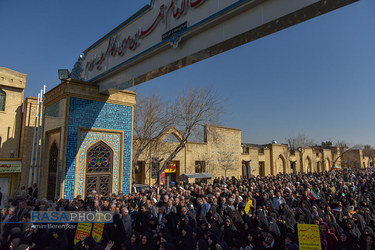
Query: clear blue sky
<point>316,78</point>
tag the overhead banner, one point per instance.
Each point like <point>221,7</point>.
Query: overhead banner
<point>10,167</point>
<point>308,237</point>
<point>170,34</point>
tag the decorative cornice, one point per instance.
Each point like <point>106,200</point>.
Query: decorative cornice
<point>81,89</point>
<point>11,78</point>
<point>12,73</point>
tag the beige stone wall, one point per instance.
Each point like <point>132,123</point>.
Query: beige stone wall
<point>365,162</point>
<point>224,147</point>
<point>275,158</point>
<point>221,149</point>
<point>280,159</point>
<point>27,134</point>
<point>252,154</point>
<point>12,78</point>
<point>353,158</point>
<point>13,84</point>
<point>53,122</point>
<point>266,158</point>
<point>327,157</point>
<point>198,152</point>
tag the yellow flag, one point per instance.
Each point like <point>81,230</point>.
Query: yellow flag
<point>248,205</point>
<point>97,231</point>
<point>83,231</point>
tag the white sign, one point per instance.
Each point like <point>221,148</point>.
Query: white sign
<point>144,32</point>
<point>170,34</point>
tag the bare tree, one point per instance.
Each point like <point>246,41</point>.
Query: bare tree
<point>190,111</point>
<point>151,119</point>
<point>207,160</point>
<point>300,141</point>
<point>226,161</point>
<point>342,144</point>
<point>344,148</point>
<point>209,157</point>
<point>369,151</point>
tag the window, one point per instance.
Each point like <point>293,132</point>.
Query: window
<point>99,168</point>
<point>99,158</point>
<point>200,166</point>
<point>139,172</point>
<point>2,100</point>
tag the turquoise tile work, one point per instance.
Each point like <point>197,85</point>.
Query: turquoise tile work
<point>101,115</point>
<point>87,140</point>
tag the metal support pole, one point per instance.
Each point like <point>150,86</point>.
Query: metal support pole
<point>37,140</point>
<point>34,143</point>
<point>42,116</point>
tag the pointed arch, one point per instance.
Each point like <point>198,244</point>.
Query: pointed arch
<point>318,167</point>
<point>173,131</point>
<point>308,164</point>
<point>99,157</point>
<point>327,164</point>
<point>99,165</point>
<point>281,164</point>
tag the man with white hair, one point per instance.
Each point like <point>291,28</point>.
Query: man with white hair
<point>112,208</point>
<point>10,222</point>
<point>127,221</point>
<point>164,202</point>
<point>92,194</point>
<point>96,206</point>
<point>171,208</point>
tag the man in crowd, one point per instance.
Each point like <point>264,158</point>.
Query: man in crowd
<point>213,216</point>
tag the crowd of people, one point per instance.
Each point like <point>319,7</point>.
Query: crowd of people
<point>213,215</point>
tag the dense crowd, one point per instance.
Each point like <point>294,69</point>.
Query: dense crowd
<point>212,215</point>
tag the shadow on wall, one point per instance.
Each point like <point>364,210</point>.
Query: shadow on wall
<point>9,148</point>
<point>10,145</point>
<point>82,113</point>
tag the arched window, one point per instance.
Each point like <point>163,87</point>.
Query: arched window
<point>2,100</point>
<point>99,168</point>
